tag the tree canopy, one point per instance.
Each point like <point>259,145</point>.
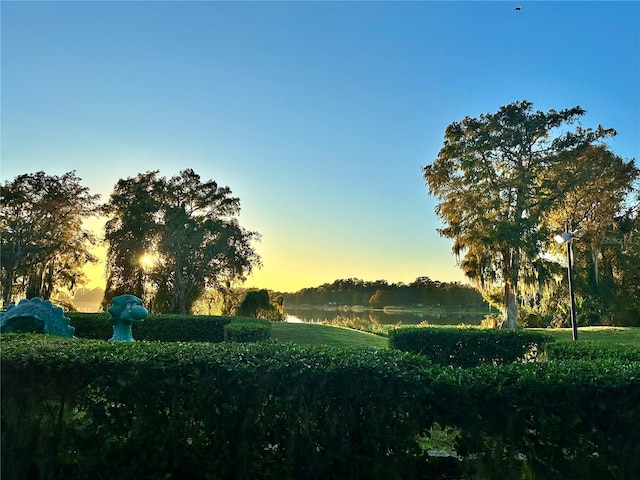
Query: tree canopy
<point>259,304</point>
<point>189,230</point>
<point>43,243</point>
<point>500,179</point>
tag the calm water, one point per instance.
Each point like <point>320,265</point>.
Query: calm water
<point>320,315</point>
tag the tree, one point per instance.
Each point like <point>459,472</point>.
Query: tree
<point>625,268</point>
<point>259,304</point>
<point>43,244</point>
<point>600,213</point>
<point>495,178</point>
<point>189,226</point>
<point>380,298</point>
<point>131,233</point>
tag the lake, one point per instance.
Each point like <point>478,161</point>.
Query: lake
<point>380,317</point>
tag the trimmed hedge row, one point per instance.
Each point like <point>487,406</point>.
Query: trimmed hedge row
<point>247,331</point>
<point>469,347</point>
<point>549,420</point>
<point>175,328</point>
<point>587,350</point>
<point>88,409</point>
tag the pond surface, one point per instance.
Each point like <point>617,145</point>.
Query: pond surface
<point>380,317</point>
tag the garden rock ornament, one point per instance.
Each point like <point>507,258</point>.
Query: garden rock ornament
<point>125,311</point>
<point>36,315</point>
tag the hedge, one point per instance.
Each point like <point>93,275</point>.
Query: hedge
<point>469,347</point>
<point>174,328</point>
<point>202,410</point>
<point>247,331</point>
<point>89,409</point>
<point>588,350</point>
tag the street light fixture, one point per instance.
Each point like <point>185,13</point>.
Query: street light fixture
<point>567,238</point>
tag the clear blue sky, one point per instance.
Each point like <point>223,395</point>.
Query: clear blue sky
<point>318,115</point>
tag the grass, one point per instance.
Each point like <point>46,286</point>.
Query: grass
<point>310,333</point>
<point>619,335</point>
<point>313,333</point>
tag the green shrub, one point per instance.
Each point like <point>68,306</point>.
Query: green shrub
<point>468,347</point>
<point>531,318</point>
<point>88,409</point>
<point>546,420</point>
<point>586,350</point>
<point>74,408</point>
<point>249,330</point>
<point>260,304</point>
<point>91,325</point>
<point>164,328</point>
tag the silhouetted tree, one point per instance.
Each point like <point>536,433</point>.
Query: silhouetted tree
<point>496,176</point>
<point>190,227</point>
<point>43,244</point>
<point>381,298</point>
<point>131,233</point>
<point>259,304</point>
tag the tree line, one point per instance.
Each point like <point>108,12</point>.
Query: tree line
<point>422,292</point>
<point>168,240</point>
<point>506,184</point>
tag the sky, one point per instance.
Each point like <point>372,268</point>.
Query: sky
<point>319,116</point>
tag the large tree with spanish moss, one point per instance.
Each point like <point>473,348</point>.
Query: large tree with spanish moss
<point>496,179</point>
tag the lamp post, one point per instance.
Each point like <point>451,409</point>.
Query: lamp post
<point>567,238</point>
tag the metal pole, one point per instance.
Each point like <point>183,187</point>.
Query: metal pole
<point>574,326</point>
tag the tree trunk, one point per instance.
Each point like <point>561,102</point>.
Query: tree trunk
<point>34,285</point>
<point>7,285</point>
<point>510,320</point>
<point>594,255</point>
<point>179,294</point>
<point>47,283</point>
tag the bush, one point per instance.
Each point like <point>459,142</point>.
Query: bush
<point>249,330</point>
<point>531,318</point>
<point>586,350</point>
<point>468,347</point>
<point>92,325</point>
<point>164,328</point>
<point>547,420</point>
<point>259,304</point>
<point>89,409</point>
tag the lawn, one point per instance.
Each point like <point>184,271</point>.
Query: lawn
<point>311,333</point>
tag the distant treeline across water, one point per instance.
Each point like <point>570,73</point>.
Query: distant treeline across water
<point>422,300</point>
<point>423,292</point>
<point>388,316</point>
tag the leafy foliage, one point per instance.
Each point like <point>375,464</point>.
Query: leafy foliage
<point>88,409</point>
<point>497,177</point>
<point>468,347</point>
<point>259,304</point>
<point>253,330</point>
<point>42,242</point>
<point>187,227</point>
<point>586,350</point>
<point>177,328</point>
<point>130,233</point>
<point>604,216</point>
<point>380,293</point>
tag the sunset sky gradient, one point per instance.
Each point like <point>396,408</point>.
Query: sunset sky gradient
<point>317,115</point>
